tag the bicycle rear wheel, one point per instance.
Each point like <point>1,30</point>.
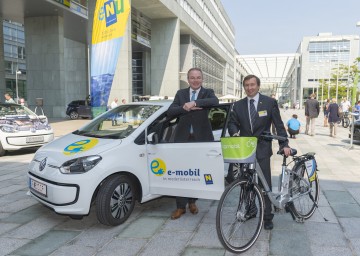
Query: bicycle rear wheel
<point>305,191</point>
<point>239,216</point>
<point>346,122</point>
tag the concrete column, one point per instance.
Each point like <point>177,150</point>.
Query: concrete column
<point>2,62</point>
<point>56,66</point>
<point>165,56</point>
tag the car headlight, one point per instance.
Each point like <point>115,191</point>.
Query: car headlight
<point>80,165</point>
<point>8,128</point>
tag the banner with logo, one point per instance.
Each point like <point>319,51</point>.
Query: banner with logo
<point>110,18</point>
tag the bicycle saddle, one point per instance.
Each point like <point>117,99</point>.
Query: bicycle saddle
<point>293,152</point>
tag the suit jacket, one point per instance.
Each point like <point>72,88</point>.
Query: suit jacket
<point>240,121</point>
<point>198,119</point>
<point>312,108</point>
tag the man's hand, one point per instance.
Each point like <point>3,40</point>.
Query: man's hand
<point>188,106</point>
<point>287,151</point>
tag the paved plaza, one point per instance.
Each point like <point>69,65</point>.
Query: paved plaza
<point>28,228</point>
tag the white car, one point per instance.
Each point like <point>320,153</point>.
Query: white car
<point>116,163</point>
<point>22,128</point>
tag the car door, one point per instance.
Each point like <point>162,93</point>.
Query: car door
<point>191,169</point>
<point>84,110</point>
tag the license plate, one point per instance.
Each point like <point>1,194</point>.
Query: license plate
<point>34,139</point>
<point>38,187</point>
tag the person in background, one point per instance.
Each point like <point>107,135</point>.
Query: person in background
<point>22,102</point>
<point>113,105</point>
<point>357,109</point>
<point>273,129</point>
<point>8,98</point>
<point>345,107</point>
<point>293,126</point>
<point>312,111</point>
<point>326,106</point>
<point>123,101</point>
<point>333,117</point>
<point>194,125</point>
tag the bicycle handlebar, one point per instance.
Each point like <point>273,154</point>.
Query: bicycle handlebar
<point>269,136</point>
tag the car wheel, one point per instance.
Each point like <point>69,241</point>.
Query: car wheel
<point>2,150</point>
<point>115,200</point>
<point>74,115</point>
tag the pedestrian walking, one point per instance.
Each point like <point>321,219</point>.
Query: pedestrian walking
<point>333,117</point>
<point>326,113</point>
<point>312,110</point>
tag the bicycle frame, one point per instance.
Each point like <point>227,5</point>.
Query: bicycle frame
<point>281,198</point>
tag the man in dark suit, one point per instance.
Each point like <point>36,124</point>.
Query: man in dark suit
<point>312,110</point>
<point>252,116</point>
<point>195,125</point>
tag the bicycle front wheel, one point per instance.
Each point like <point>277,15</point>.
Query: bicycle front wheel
<point>239,216</point>
<point>305,192</point>
<point>346,122</point>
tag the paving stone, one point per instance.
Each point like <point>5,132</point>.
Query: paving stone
<point>10,244</point>
<point>26,215</point>
<point>19,205</point>
<point>339,197</point>
<point>35,227</point>
<point>123,247</point>
<point>5,227</point>
<point>330,251</point>
<point>289,242</point>
<point>355,193</point>
<point>351,226</point>
<point>174,245</point>
<point>187,222</point>
<point>326,212</point>
<point>143,228</point>
<point>346,210</point>
<point>355,244</point>
<point>325,234</point>
<point>75,250</point>
<point>46,243</point>
<point>197,251</point>
<point>206,236</point>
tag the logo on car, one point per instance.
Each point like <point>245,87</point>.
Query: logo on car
<point>80,146</point>
<point>42,164</point>
<point>158,167</point>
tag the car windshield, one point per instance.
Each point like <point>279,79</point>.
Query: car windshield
<point>118,123</point>
<point>11,110</point>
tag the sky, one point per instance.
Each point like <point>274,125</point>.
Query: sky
<point>278,26</point>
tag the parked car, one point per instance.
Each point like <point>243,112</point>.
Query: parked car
<point>137,159</point>
<point>79,108</point>
<point>356,130</point>
<point>22,128</point>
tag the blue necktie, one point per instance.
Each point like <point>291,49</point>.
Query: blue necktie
<point>252,114</point>
<point>193,96</point>
<point>192,99</point>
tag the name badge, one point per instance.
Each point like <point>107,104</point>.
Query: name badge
<point>262,113</point>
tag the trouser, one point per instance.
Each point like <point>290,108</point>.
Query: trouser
<point>182,201</point>
<point>333,128</point>
<point>265,167</point>
<point>310,122</point>
<point>292,132</point>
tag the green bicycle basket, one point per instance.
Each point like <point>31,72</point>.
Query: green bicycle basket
<point>238,149</point>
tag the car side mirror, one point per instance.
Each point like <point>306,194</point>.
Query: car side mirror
<point>153,138</point>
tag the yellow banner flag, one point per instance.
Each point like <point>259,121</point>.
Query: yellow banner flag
<point>110,18</point>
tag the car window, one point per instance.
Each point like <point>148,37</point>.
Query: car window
<point>119,122</point>
<point>170,130</point>
<point>7,110</point>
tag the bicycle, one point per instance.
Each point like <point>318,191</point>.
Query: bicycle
<point>240,212</point>
<point>344,119</point>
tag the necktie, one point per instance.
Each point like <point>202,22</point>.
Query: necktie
<point>192,99</point>
<point>193,96</point>
<point>252,113</point>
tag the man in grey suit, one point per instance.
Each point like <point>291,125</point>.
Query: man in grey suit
<point>312,110</point>
<point>194,125</point>
<point>251,117</point>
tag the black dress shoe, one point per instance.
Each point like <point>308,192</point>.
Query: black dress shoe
<point>268,224</point>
